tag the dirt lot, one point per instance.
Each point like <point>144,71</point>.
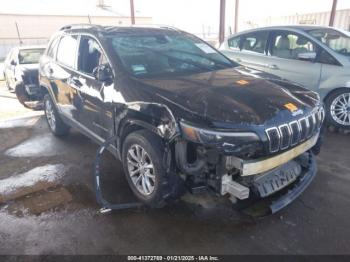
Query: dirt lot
<point>51,207</point>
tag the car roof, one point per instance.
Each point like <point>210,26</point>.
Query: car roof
<point>31,47</point>
<point>284,27</point>
<point>106,30</point>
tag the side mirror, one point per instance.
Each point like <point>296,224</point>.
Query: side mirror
<point>309,56</point>
<point>103,73</point>
<point>13,62</point>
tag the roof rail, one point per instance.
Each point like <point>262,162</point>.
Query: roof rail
<point>80,26</point>
<point>157,26</point>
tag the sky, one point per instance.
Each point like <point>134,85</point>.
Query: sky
<point>191,15</point>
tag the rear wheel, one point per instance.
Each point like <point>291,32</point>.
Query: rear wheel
<point>57,126</point>
<point>21,94</point>
<point>338,108</point>
<point>142,158</point>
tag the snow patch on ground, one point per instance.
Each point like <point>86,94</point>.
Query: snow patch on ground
<point>47,173</point>
<point>42,145</point>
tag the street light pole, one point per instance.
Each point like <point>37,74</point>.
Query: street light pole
<point>222,21</point>
<point>236,16</point>
<point>132,13</point>
<point>334,9</point>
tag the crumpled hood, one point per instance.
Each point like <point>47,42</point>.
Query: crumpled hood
<point>235,95</point>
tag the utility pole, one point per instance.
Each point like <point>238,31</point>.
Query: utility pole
<point>132,13</point>
<point>236,16</point>
<point>334,9</point>
<point>222,21</point>
<point>18,34</point>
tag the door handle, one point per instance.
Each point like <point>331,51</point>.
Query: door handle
<point>75,82</point>
<point>272,66</point>
<point>238,60</point>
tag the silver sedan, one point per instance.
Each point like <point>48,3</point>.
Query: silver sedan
<point>314,56</point>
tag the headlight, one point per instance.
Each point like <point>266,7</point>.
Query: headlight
<point>204,136</point>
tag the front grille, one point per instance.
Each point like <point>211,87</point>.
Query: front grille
<point>292,133</point>
<point>274,138</point>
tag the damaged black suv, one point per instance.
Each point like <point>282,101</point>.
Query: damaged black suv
<point>184,115</point>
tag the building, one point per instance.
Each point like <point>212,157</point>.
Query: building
<point>33,29</point>
<point>342,20</point>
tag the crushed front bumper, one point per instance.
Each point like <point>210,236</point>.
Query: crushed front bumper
<point>257,205</point>
<point>297,188</point>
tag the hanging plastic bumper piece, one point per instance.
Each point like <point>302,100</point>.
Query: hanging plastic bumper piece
<point>105,205</point>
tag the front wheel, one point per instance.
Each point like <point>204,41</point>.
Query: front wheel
<point>57,126</point>
<point>338,108</point>
<point>142,158</point>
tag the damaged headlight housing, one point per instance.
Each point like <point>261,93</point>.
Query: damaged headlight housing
<point>211,137</point>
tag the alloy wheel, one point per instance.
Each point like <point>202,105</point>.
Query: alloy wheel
<point>141,169</point>
<point>50,115</point>
<point>340,109</point>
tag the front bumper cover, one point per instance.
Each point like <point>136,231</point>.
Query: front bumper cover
<point>258,207</point>
<point>297,188</point>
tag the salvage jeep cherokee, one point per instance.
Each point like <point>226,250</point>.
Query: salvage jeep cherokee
<point>183,114</point>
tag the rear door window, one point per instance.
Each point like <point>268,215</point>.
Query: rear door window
<point>234,43</point>
<point>67,49</point>
<point>255,42</point>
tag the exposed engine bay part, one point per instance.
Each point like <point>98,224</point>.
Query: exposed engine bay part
<point>233,188</point>
<point>182,159</point>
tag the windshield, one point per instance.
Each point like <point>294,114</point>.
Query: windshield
<point>30,56</point>
<point>166,54</point>
<point>334,39</point>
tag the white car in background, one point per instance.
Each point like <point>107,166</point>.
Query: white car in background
<point>314,56</point>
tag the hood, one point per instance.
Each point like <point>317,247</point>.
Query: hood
<point>236,95</point>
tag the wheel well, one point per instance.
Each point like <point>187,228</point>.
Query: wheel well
<point>333,91</point>
<point>128,129</point>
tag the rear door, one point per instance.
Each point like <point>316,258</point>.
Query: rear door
<point>96,111</point>
<point>64,78</point>
<point>249,49</point>
<point>283,58</point>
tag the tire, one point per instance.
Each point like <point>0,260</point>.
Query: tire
<point>54,121</point>
<point>334,108</point>
<point>22,95</point>
<point>7,83</point>
<point>152,186</point>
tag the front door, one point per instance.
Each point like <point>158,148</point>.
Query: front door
<point>97,110</point>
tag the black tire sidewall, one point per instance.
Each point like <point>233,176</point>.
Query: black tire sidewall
<point>328,103</point>
<point>153,146</point>
<point>61,128</point>
<point>21,94</point>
